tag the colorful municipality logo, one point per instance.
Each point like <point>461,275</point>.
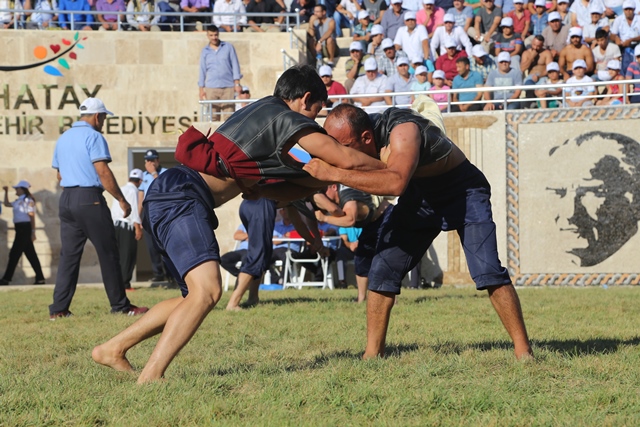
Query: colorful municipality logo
<point>58,52</point>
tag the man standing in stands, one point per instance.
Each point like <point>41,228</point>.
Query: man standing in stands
<point>321,33</point>
<point>219,74</point>
<point>153,170</point>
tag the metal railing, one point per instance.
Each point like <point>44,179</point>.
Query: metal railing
<point>291,19</point>
<point>206,111</point>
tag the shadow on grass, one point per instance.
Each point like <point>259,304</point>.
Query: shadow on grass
<point>569,347</point>
<point>296,300</point>
<point>440,296</point>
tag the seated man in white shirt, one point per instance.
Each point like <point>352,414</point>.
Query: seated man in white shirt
<point>229,23</point>
<point>413,39</point>
<point>579,96</point>
<point>372,82</point>
<point>449,31</point>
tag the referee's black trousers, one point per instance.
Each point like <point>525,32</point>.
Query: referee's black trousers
<point>84,215</point>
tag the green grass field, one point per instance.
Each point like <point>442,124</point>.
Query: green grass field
<point>294,360</point>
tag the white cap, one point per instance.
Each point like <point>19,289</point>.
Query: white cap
<point>553,66</point>
<point>377,29</point>
<point>563,1</point>
<point>409,15</point>
<point>506,22</point>
<point>629,4</point>
<point>417,59</point>
<point>428,2</point>
<point>448,18</point>
<point>542,3</point>
<point>438,74</point>
<point>386,44</point>
<point>614,64</point>
<point>363,14</point>
<point>396,1</point>
<point>518,1</point>
<point>22,184</point>
<point>421,69</point>
<point>355,46</point>
<point>604,76</point>
<point>370,64</point>
<point>245,89</point>
<point>403,60</point>
<point>555,16</point>
<point>325,70</point>
<point>135,173</point>
<point>636,50</point>
<point>579,63</point>
<point>596,8</point>
<point>478,51</point>
<point>504,57</point>
<point>575,32</point>
<point>449,42</point>
<point>93,106</point>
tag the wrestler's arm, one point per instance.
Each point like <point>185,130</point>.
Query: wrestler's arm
<point>348,219</point>
<point>391,181</point>
<point>307,230</point>
<point>327,205</point>
<point>328,149</point>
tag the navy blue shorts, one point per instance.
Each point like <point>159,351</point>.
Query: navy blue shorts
<point>258,218</point>
<point>457,200</point>
<point>367,241</point>
<point>181,220</point>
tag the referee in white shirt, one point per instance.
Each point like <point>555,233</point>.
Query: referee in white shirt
<point>128,229</point>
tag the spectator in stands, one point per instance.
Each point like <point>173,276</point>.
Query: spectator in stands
<point>333,87</point>
<point>109,21</point>
<point>219,73</point>
<point>625,31</point>
<point>194,6</point>
<point>245,93</point>
<point>580,14</point>
<point>39,19</point>
<point>563,9</point>
<point>487,21</point>
<point>355,64</point>
<point>346,251</point>
<point>553,77</point>
<point>613,68</point>
<point>283,228</point>
<point>230,260</point>
<point>394,19</point>
<point>521,18</point>
<point>375,45</point>
<point>633,73</point>
<point>362,31</point>
<point>481,62</point>
<point>579,96</point>
<point>376,9</point>
<point>10,20</point>
<point>305,10</point>
<point>598,21</point>
<point>555,35</point>
<point>421,81</point>
<point>165,22</point>
<point>510,42</point>
<point>535,60</point>
<point>573,51</point>
<point>466,79</point>
<point>418,61</point>
<point>612,8</point>
<point>412,39</point>
<point>444,4</point>
<point>321,34</point>
<point>449,31</point>
<point>262,24</point>
<point>430,16</point>
<point>372,82</point>
<point>346,15</point>
<point>475,5</point>
<point>447,63</point>
<point>229,23</point>
<point>79,20</point>
<point>540,19</point>
<point>412,5</point>
<point>504,75</point>
<point>462,15</point>
<point>387,63</point>
<point>141,22</point>
<point>400,82</point>
<point>604,51</point>
<point>439,84</point>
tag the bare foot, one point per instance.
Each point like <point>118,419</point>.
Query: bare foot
<point>150,380</point>
<point>234,308</point>
<point>366,356</point>
<point>525,356</point>
<point>103,356</point>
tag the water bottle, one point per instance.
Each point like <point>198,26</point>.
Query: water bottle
<point>267,278</point>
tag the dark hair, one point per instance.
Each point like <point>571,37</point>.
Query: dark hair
<point>213,28</point>
<point>463,60</point>
<point>600,33</point>
<point>354,116</point>
<point>321,6</point>
<point>298,80</point>
<point>27,194</point>
<point>539,38</point>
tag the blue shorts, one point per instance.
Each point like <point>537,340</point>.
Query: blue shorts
<point>258,218</point>
<point>180,217</point>
<point>366,249</point>
<point>457,200</point>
